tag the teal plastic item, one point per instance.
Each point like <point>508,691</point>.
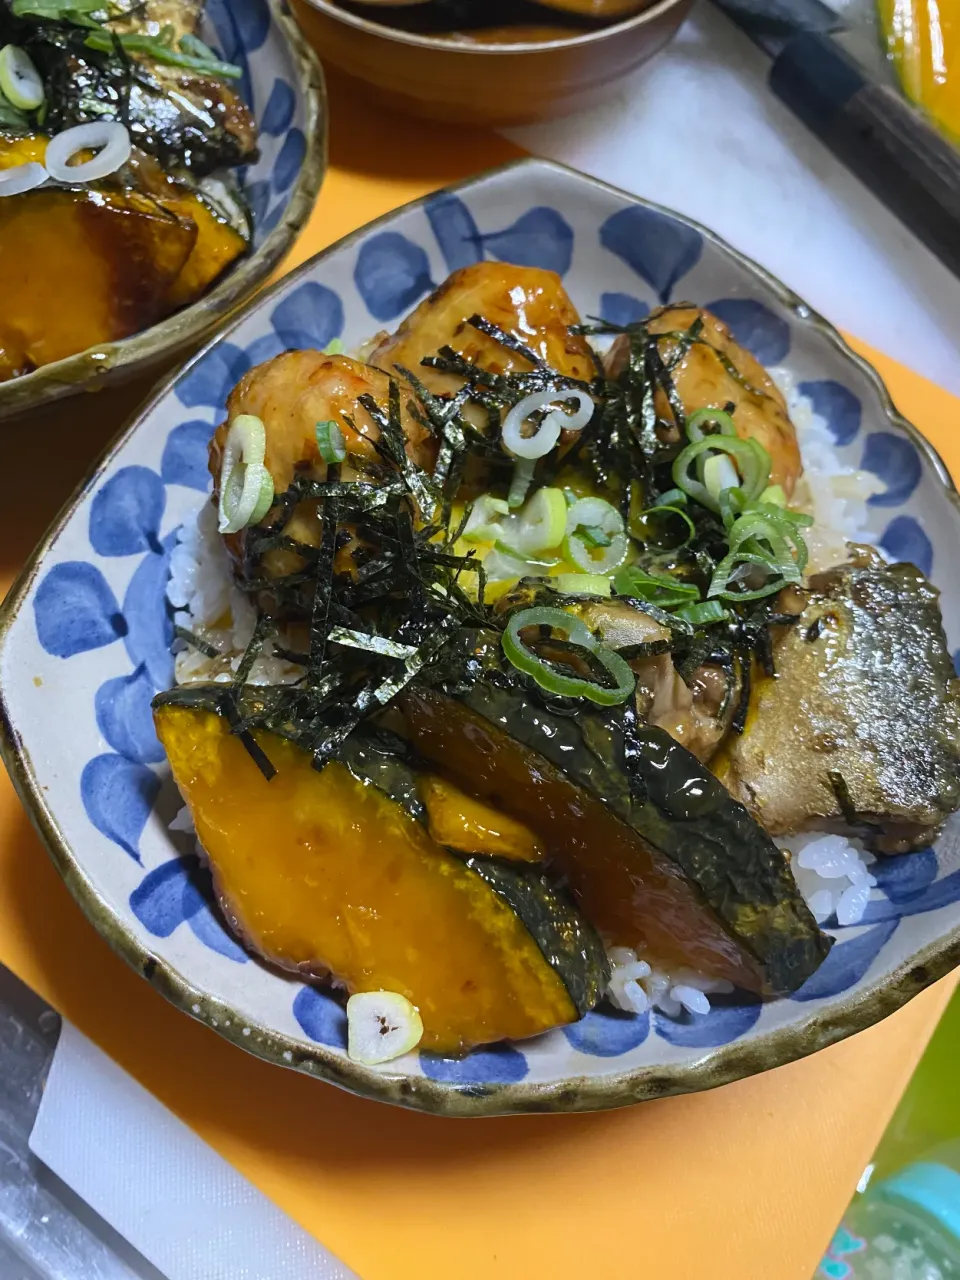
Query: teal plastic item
<point>934,1188</point>
<point>906,1223</point>
<point>906,1227</point>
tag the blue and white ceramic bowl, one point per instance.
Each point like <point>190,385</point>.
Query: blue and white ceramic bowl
<point>283,84</point>
<point>86,636</point>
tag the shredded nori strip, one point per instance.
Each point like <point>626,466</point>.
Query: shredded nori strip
<point>195,642</point>
<point>739,720</point>
<point>384,597</point>
<point>371,643</point>
<point>838,785</point>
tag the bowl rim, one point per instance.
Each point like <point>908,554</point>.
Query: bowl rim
<point>654,10</point>
<point>84,370</point>
<point>858,1009</point>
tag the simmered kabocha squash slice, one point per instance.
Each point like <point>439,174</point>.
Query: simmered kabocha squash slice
<point>81,267</point>
<point>462,822</point>
<point>682,869</point>
<point>319,873</point>
<point>217,246</point>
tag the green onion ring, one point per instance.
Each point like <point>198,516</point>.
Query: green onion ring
<point>753,463</point>
<point>718,416</point>
<point>702,613</point>
<point>577,633</point>
<point>779,534</point>
<point>662,514</point>
<point>523,469</point>
<point>670,498</point>
<point>579,584</point>
<point>655,588</point>
<point>330,442</point>
<point>589,513</point>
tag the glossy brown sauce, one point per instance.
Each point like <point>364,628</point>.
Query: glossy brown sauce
<point>629,891</point>
<point>483,21</point>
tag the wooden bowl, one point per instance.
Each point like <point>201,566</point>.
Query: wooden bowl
<point>475,81</point>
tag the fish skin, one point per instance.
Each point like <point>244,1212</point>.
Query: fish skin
<point>865,691</point>
<point>191,122</point>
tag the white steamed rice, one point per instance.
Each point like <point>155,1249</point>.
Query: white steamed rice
<point>832,872</point>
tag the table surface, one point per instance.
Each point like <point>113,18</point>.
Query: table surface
<point>748,1180</point>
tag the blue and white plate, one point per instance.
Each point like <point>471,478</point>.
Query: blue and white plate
<point>282,83</point>
<point>86,636</point>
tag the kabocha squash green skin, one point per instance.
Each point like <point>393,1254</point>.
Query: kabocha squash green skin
<point>568,942</point>
<point>676,806</point>
<point>570,945</point>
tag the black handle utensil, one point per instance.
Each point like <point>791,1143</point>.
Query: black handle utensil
<point>868,126</point>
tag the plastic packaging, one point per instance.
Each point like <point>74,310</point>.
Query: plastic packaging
<point>905,1227</point>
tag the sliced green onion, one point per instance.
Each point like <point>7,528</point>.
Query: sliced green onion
<point>481,524</point>
<point>56,10</point>
<point>569,497</point>
<point>241,496</point>
<point>782,515</point>
<point>719,417</point>
<point>20,81</point>
<point>767,538</point>
<point>554,422</point>
<point>671,498</point>
<point>190,44</point>
<point>22,177</point>
<point>753,463</point>
<point>523,470</point>
<point>777,528</point>
<point>330,442</point>
<point>666,528</point>
<point>513,553</point>
<point>543,521</point>
<point>580,584</point>
<point>732,504</point>
<point>577,633</point>
<point>719,473</point>
<point>108,139</point>
<point>702,613</point>
<point>596,516</point>
<point>156,48</point>
<point>242,483</point>
<point>775,495</point>
<point>334,348</point>
<point>265,500</point>
<point>655,588</point>
<point>593,536</point>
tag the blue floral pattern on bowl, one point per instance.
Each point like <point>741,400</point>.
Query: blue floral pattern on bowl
<point>243,33</point>
<point>90,634</point>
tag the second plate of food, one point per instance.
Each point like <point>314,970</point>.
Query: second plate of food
<point>504,667</point>
<point>157,160</point>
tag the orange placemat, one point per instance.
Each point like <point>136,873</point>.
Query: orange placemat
<point>744,1182</point>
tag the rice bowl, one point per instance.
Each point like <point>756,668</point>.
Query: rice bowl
<point>608,1061</point>
<point>832,871</point>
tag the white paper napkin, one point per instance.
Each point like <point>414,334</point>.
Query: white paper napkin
<point>169,1194</point>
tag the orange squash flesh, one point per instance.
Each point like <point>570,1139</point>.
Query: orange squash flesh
<point>464,823</point>
<point>80,268</point>
<point>217,246</point>
<point>628,891</point>
<point>318,873</point>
